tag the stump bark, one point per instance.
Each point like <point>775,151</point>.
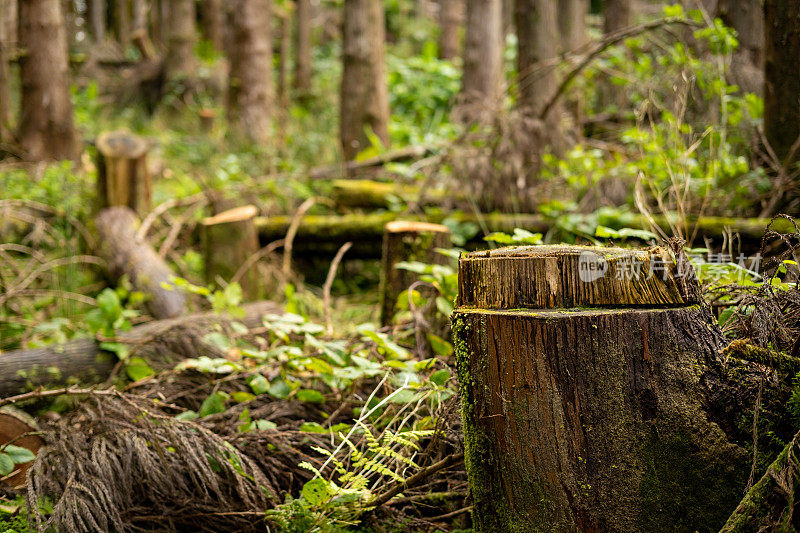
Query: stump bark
<point>129,255</point>
<point>582,395</point>
<point>122,175</point>
<point>229,240</point>
<point>407,241</point>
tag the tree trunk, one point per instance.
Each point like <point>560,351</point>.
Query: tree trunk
<point>180,62</point>
<point>140,10</point>
<point>747,18</point>
<point>130,256</point>
<point>122,21</point>
<point>46,129</point>
<point>537,35</point>
<point>83,361</point>
<point>9,20</point>
<point>284,59</point>
<point>211,18</point>
<point>8,24</point>
<point>407,241</point>
<point>582,389</point>
<point>450,15</point>
<point>482,81</point>
<point>230,239</point>
<point>302,47</point>
<point>781,79</point>
<point>122,175</point>
<point>97,20</point>
<point>364,103</point>
<point>617,14</point>
<point>250,92</point>
<point>572,24</point>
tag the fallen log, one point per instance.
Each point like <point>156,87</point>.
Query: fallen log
<point>583,393</point>
<point>383,195</point>
<point>84,361</point>
<point>128,255</point>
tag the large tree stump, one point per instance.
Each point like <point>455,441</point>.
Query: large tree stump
<point>132,256</point>
<point>122,175</point>
<point>407,241</point>
<point>582,393</point>
<point>17,428</point>
<point>229,240</point>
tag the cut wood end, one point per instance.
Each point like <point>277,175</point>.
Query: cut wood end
<point>237,214</point>
<point>410,226</point>
<point>121,143</point>
<point>564,250</point>
<point>14,424</point>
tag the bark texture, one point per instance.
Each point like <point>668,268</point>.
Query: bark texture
<point>128,255</point>
<point>450,16</point>
<point>46,128</point>
<point>83,361</point>
<point>229,240</point>
<point>407,241</point>
<point>122,174</point>
<point>250,91</point>
<point>591,419</point>
<point>747,18</point>
<point>572,24</point>
<point>97,20</point>
<point>617,14</point>
<point>537,35</point>
<point>482,80</point>
<point>180,62</point>
<point>211,18</point>
<point>302,47</point>
<point>781,79</point>
<point>364,99</point>
<point>8,37</point>
<point>122,21</point>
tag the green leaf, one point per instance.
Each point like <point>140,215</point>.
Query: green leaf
<point>279,389</point>
<point>440,377</point>
<point>440,346</point>
<point>264,425</point>
<point>138,368</point>
<point>310,396</point>
<point>316,492</point>
<point>212,405</point>
<point>109,304</point>
<point>241,396</point>
<point>259,384</point>
<point>6,464</point>
<point>187,415</point>
<point>18,454</point>
<point>444,305</point>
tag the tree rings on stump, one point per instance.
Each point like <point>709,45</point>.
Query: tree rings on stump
<point>16,428</point>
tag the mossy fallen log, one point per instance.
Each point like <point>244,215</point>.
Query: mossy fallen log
<point>84,361</point>
<point>383,195</point>
<point>589,413</point>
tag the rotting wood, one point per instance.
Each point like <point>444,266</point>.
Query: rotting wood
<point>407,241</point>
<point>229,240</point>
<point>83,361</point>
<point>133,257</point>
<point>589,419</point>
<point>122,175</point>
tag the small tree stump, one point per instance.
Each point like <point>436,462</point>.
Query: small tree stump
<point>122,175</point>
<point>229,240</point>
<point>582,389</point>
<point>407,241</point>
<point>13,425</point>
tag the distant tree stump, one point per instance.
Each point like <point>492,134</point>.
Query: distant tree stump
<point>14,428</point>
<point>229,240</point>
<point>407,241</point>
<point>122,175</point>
<point>582,389</point>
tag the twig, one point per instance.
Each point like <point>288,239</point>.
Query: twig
<point>326,289</point>
<point>291,232</point>
<point>415,479</point>
<point>253,259</point>
<point>69,391</point>
<point>601,46</point>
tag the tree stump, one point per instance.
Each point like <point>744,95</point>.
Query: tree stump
<point>229,240</point>
<point>129,255</point>
<point>581,382</point>
<point>15,426</point>
<point>407,241</point>
<point>122,175</point>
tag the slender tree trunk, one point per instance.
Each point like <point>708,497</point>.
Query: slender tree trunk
<point>537,37</point>
<point>781,78</point>
<point>364,94</point>
<point>284,59</point>
<point>122,21</point>
<point>450,15</point>
<point>572,23</point>
<point>46,129</point>
<point>8,23</point>
<point>617,14</point>
<point>211,17</point>
<point>97,20</point>
<point>140,9</point>
<point>302,50</point>
<point>482,81</point>
<point>250,94</point>
<point>180,61</point>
